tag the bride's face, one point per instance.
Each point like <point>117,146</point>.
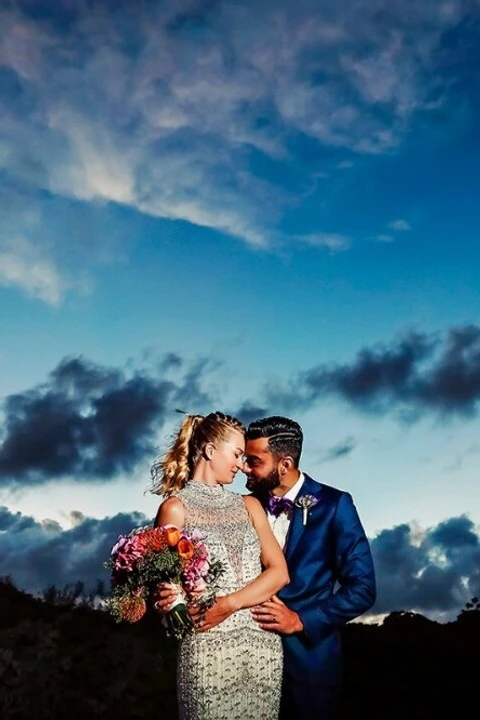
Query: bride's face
<point>227,457</point>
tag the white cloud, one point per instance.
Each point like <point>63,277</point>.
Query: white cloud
<point>170,127</point>
<point>100,170</point>
<point>401,225</point>
<point>22,265</point>
<point>332,241</point>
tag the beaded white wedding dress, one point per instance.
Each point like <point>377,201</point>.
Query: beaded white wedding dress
<point>234,671</point>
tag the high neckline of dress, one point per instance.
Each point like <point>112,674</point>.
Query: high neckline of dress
<point>203,489</point>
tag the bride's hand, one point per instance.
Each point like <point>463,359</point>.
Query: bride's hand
<point>220,611</point>
<point>164,597</point>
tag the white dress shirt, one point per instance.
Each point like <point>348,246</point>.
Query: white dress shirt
<point>281,523</point>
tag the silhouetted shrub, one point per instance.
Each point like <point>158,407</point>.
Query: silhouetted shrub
<point>62,658</point>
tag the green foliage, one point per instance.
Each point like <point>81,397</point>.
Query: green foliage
<point>159,567</point>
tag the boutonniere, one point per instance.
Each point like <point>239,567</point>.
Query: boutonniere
<point>305,502</point>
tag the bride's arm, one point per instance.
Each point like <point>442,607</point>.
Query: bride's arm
<point>267,584</point>
<point>170,512</point>
<point>275,574</point>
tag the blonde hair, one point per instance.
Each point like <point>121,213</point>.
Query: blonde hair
<point>172,471</point>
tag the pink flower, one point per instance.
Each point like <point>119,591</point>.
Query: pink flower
<point>201,566</point>
<point>126,552</point>
<point>121,542</point>
<point>194,574</point>
<point>199,586</point>
<point>197,535</point>
<point>201,552</point>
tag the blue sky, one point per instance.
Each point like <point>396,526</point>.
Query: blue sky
<point>264,209</point>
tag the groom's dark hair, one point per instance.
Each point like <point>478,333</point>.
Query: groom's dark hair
<point>285,436</point>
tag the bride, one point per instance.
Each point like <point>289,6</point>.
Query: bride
<point>229,668</point>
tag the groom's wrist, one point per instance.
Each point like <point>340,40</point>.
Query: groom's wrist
<point>298,625</point>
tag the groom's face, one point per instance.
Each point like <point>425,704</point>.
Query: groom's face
<point>260,466</point>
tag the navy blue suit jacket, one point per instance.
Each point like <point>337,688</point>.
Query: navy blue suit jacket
<point>330,552</point>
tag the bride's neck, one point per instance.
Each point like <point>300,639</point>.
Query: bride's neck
<point>203,474</point>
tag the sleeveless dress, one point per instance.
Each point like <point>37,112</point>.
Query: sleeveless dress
<point>234,670</point>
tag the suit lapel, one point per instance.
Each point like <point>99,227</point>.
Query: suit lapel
<point>309,487</point>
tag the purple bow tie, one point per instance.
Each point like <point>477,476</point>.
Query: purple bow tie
<point>277,505</point>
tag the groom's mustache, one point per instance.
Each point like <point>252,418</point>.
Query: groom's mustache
<point>270,482</point>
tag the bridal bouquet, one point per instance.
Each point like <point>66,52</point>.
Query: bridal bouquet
<point>148,556</point>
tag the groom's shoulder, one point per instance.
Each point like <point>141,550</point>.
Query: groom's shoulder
<point>328,492</point>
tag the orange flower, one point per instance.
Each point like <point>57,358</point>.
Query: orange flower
<point>185,549</point>
<point>132,609</point>
<point>153,539</point>
<point>172,536</point>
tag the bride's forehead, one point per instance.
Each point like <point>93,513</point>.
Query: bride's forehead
<point>235,437</point>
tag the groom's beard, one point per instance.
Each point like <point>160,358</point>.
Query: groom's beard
<point>264,485</point>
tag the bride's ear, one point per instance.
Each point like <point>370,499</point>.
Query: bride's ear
<point>208,451</point>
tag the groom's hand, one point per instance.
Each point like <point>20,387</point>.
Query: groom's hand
<point>274,615</point>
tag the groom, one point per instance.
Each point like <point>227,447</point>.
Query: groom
<point>324,544</point>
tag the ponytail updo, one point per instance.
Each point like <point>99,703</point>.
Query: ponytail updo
<point>171,472</point>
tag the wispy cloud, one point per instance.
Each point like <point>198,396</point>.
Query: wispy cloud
<point>385,238</point>
<point>401,225</point>
<point>164,107</point>
<point>50,245</point>
<point>22,265</point>
<point>332,241</point>
<point>394,227</point>
<point>340,450</point>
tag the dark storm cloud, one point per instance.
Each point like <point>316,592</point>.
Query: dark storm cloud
<point>38,554</point>
<point>89,421</point>
<point>433,571</point>
<point>415,375</point>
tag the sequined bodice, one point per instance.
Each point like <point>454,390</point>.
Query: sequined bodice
<point>230,537</point>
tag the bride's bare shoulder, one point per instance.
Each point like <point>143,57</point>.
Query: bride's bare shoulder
<point>252,504</point>
<point>171,512</point>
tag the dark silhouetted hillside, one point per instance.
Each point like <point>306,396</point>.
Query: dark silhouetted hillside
<point>62,661</point>
<point>61,658</point>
